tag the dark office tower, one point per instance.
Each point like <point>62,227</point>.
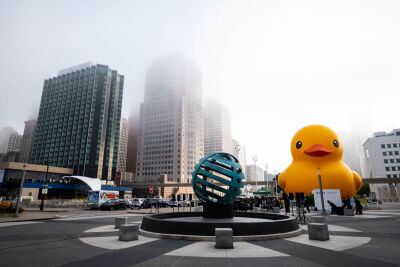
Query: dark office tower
<point>131,155</point>
<point>79,121</point>
<point>27,141</point>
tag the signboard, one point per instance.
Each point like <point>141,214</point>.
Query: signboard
<point>333,195</point>
<point>111,196</point>
<point>44,191</point>
<point>151,189</point>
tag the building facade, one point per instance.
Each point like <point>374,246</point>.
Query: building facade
<point>79,121</point>
<point>251,173</point>
<point>123,145</point>
<point>131,156</point>
<point>27,141</point>
<point>171,138</point>
<point>382,160</point>
<point>10,140</point>
<point>217,128</point>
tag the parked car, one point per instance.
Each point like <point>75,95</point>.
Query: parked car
<point>184,203</point>
<point>241,206</point>
<point>151,202</point>
<point>137,202</point>
<point>173,203</point>
<point>116,204</point>
<point>108,205</point>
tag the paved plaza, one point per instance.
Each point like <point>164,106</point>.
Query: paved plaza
<point>88,238</point>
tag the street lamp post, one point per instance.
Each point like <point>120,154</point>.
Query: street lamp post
<point>321,192</point>
<point>255,167</point>
<point>21,186</point>
<point>45,181</point>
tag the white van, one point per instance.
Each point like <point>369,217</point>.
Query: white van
<point>96,198</point>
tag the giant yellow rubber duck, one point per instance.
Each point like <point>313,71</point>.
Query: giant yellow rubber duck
<point>313,147</point>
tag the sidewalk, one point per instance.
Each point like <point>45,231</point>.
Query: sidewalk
<point>33,214</point>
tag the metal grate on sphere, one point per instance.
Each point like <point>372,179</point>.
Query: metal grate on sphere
<point>218,178</point>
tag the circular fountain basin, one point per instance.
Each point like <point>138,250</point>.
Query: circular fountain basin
<point>246,226</point>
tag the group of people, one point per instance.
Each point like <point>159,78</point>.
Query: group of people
<point>263,202</point>
<point>346,204</point>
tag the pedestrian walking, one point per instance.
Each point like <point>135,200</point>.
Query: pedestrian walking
<point>359,207</point>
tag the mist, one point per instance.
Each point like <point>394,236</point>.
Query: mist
<point>277,66</point>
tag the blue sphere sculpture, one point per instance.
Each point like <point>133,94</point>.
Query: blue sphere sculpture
<point>217,178</point>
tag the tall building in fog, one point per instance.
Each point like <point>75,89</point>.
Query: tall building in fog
<point>239,151</point>
<point>251,173</point>
<point>171,138</point>
<point>10,140</point>
<point>382,160</point>
<point>79,121</point>
<point>123,145</point>
<point>27,141</point>
<point>352,140</point>
<point>217,128</point>
<point>131,155</point>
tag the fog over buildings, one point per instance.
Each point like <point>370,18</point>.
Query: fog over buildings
<point>276,66</point>
<point>171,133</point>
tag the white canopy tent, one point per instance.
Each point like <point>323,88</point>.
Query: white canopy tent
<point>93,183</point>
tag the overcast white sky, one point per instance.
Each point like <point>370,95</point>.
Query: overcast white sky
<point>277,65</point>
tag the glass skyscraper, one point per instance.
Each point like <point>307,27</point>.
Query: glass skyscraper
<point>79,121</point>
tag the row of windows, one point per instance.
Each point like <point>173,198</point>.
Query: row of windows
<point>157,173</point>
<point>393,168</point>
<point>393,176</point>
<point>158,152</point>
<point>158,137</point>
<point>391,160</point>
<point>158,147</point>
<point>159,142</point>
<point>157,168</point>
<point>158,162</point>
<point>390,153</point>
<point>390,145</point>
<point>158,157</point>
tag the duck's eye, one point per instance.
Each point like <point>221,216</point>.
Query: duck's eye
<point>299,144</point>
<point>336,143</point>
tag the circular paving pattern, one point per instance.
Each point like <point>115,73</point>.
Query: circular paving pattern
<point>106,237</point>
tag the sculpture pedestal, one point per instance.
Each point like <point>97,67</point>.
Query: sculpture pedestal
<point>218,211</point>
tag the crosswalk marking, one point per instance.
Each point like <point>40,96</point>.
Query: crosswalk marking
<point>17,223</point>
<point>336,243</point>
<point>112,242</point>
<point>97,217</point>
<point>240,250</point>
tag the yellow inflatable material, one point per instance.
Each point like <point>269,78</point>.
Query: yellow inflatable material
<point>313,147</point>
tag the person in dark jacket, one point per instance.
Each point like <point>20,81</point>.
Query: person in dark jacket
<point>348,205</point>
<point>333,207</point>
<point>359,207</point>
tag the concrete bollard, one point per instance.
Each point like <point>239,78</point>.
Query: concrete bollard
<point>119,221</point>
<point>275,209</point>
<point>318,231</point>
<point>348,212</point>
<point>223,238</point>
<point>128,232</point>
<point>318,219</point>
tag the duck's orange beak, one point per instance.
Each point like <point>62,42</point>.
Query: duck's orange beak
<point>318,150</point>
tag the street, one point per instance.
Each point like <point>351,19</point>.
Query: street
<point>87,238</point>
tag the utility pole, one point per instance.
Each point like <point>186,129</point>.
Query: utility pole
<point>321,192</point>
<point>255,167</point>
<point>42,203</point>
<point>21,186</point>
